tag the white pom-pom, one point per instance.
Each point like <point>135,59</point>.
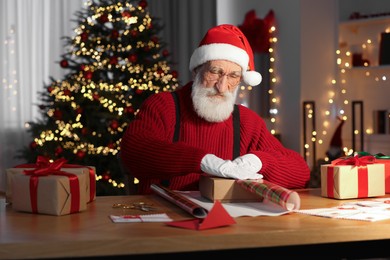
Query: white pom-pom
<point>252,78</point>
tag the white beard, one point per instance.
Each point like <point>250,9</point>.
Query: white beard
<point>212,109</point>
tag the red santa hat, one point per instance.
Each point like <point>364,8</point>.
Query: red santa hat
<point>227,42</point>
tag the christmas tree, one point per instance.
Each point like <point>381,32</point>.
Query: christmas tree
<point>114,62</point>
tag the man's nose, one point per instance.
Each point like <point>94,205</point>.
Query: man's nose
<point>222,84</point>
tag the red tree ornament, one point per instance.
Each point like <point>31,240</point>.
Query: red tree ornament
<point>165,53</point>
<point>126,14</point>
<point>114,34</point>
<point>79,110</point>
<point>80,154</point>
<point>139,91</point>
<point>103,18</point>
<point>114,124</point>
<point>67,92</point>
<point>84,131</point>
<point>84,36</point>
<point>133,58</point>
<point>134,33</point>
<point>64,63</point>
<point>129,110</point>
<point>88,74</point>
<point>58,151</point>
<point>143,4</point>
<point>174,74</point>
<point>57,114</point>
<point>33,145</point>
<point>114,60</point>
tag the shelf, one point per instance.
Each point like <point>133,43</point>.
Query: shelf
<point>378,68</point>
<point>365,22</point>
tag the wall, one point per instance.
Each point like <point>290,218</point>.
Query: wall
<point>305,60</point>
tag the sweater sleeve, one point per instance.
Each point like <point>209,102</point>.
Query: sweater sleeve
<point>281,165</point>
<point>147,149</point>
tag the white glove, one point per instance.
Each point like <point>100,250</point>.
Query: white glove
<point>250,162</point>
<point>216,166</point>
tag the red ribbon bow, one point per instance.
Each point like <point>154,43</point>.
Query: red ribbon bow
<point>355,160</point>
<point>45,167</point>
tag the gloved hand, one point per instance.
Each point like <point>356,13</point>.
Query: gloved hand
<point>250,162</point>
<point>241,169</point>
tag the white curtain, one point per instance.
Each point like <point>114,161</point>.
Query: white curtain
<point>31,45</point>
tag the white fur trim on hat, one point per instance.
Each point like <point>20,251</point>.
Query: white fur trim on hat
<point>223,51</point>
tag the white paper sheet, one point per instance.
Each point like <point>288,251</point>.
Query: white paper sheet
<point>253,209</point>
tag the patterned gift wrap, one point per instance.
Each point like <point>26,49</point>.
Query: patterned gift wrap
<point>288,199</point>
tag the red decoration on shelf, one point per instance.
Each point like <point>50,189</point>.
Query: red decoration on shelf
<point>64,63</point>
<point>257,30</point>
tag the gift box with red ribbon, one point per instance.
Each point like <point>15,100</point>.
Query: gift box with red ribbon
<point>54,188</point>
<point>385,159</point>
<point>353,177</point>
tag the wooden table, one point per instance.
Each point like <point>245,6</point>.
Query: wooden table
<point>92,234</point>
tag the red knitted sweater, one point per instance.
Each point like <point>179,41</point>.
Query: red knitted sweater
<point>148,152</point>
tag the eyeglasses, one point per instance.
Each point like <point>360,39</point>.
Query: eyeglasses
<point>215,74</point>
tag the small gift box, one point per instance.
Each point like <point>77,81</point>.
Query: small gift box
<point>224,190</point>
<point>353,177</point>
<point>55,193</point>
<point>45,165</point>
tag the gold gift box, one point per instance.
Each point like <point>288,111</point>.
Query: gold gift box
<point>344,182</point>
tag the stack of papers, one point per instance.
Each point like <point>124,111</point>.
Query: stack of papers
<point>366,210</point>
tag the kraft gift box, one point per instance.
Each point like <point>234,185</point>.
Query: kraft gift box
<point>351,181</point>
<point>90,184</point>
<point>224,190</point>
<point>51,194</point>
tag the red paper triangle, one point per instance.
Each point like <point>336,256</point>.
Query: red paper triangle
<point>217,217</point>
